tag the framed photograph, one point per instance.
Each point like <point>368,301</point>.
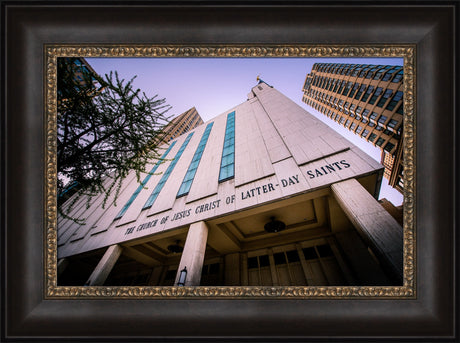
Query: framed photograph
<point>263,185</point>
<point>237,207</point>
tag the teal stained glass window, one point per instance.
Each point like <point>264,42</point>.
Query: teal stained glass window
<point>143,183</point>
<point>227,165</point>
<point>166,174</point>
<point>190,175</point>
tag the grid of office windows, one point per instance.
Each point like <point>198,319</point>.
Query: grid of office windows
<point>166,174</point>
<point>144,182</point>
<point>227,165</point>
<point>190,175</point>
<point>348,94</point>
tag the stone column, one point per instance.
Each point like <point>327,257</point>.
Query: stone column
<point>273,272</point>
<point>376,226</point>
<point>155,276</point>
<point>232,269</point>
<point>343,266</point>
<point>303,262</point>
<point>193,254</point>
<point>105,265</point>
<point>367,270</point>
<point>244,269</point>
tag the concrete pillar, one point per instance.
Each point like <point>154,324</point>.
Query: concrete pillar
<point>232,270</point>
<point>163,275</point>
<point>273,272</point>
<point>303,262</point>
<point>62,265</point>
<point>367,270</point>
<point>105,265</point>
<point>193,254</point>
<point>343,266</point>
<point>154,279</point>
<point>376,226</point>
<point>244,269</point>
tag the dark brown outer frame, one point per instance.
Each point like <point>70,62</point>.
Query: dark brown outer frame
<point>28,26</point>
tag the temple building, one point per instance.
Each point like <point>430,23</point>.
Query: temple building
<point>262,194</point>
<point>366,99</point>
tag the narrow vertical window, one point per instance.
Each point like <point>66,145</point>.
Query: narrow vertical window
<point>166,174</point>
<point>227,165</point>
<point>190,175</point>
<point>143,183</point>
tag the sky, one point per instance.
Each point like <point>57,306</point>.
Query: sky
<point>214,85</point>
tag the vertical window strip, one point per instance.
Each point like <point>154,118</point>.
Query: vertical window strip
<point>227,165</point>
<point>143,183</point>
<point>166,174</point>
<point>191,171</point>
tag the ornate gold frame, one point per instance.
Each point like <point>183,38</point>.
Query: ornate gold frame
<point>407,291</point>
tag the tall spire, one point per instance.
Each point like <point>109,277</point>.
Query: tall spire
<point>260,81</point>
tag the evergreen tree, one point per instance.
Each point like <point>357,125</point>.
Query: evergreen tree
<point>105,129</point>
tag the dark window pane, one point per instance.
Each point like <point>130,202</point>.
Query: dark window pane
<point>252,262</point>
<point>141,279</point>
<point>293,256</point>
<point>264,261</point>
<point>214,268</point>
<point>325,250</point>
<point>398,76</point>
<point>279,258</point>
<point>372,137</point>
<point>392,123</point>
<point>170,274</point>
<point>309,253</point>
<point>389,147</point>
